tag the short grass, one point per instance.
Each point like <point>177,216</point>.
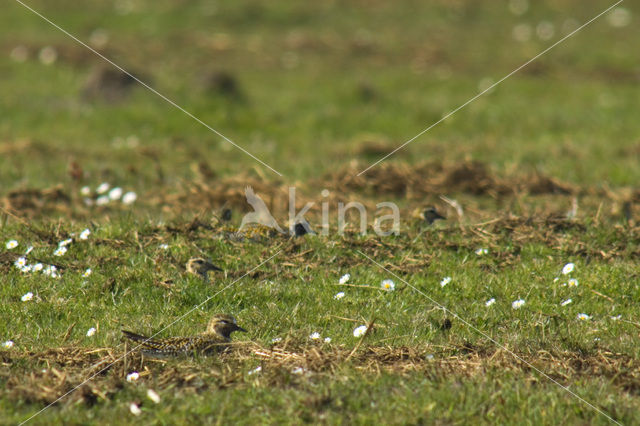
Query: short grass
<point>319,86</point>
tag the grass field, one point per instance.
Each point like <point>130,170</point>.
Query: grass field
<point>484,323</point>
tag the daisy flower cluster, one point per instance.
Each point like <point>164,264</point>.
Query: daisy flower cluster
<point>567,269</point>
<point>47,55</point>
<point>386,285</point>
<point>24,266</point>
<point>482,251</point>
<point>545,30</point>
<point>316,336</point>
<point>104,194</point>
<point>22,263</point>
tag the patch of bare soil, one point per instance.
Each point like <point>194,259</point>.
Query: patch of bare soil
<point>415,182</point>
<point>481,192</point>
<point>31,201</point>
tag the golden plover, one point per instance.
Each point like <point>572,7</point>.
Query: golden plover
<point>430,215</point>
<point>215,339</point>
<point>199,266</point>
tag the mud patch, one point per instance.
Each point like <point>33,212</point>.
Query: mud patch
<point>429,179</point>
<point>31,201</point>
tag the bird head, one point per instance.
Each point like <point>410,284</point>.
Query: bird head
<point>223,325</point>
<point>199,266</point>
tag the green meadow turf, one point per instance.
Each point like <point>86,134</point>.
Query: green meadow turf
<point>317,86</point>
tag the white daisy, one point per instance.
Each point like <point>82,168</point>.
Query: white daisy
<point>517,304</point>
<point>102,200</point>
<point>616,318</point>
<point>619,17</point>
<point>47,55</point>
<point>65,242</point>
<point>572,282</point>
<point>153,395</point>
<point>445,281</point>
<point>583,317</point>
<point>8,344</point>
<point>314,336</point>
<point>298,370</point>
<point>135,410</point>
<point>85,234</point>
<point>518,7</point>
<point>115,193</point>
<point>26,297</point>
<point>164,246</point>
<point>545,30</point>
<point>60,251</point>
<point>568,268</point>
<point>38,267</point>
<point>490,302</point>
<point>276,340</point>
<point>327,339</point>
<point>255,370</point>
<point>133,376</point>
<point>388,285</point>
<point>19,53</point>
<point>129,198</point>
<point>345,278</point>
<point>339,295</point>
<point>20,263</point>
<point>11,244</point>
<point>86,273</point>
<point>85,190</point>
<point>522,32</point>
<point>91,332</point>
<point>566,302</point>
<point>482,251</point>
<point>50,270</point>
<point>359,331</point>
<point>104,187</point>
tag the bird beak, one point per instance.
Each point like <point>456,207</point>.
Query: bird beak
<point>238,328</point>
<point>212,267</point>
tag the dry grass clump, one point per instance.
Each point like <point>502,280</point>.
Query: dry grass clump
<point>69,367</point>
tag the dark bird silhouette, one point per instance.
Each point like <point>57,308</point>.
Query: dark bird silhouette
<point>430,215</point>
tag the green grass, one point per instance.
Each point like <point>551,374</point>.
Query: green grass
<point>318,83</point>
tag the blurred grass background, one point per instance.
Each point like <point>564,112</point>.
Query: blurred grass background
<point>312,82</point>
